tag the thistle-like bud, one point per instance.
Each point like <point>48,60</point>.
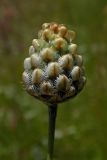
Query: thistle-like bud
<point>54,71</point>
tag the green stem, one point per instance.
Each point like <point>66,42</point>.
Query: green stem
<point>52,111</point>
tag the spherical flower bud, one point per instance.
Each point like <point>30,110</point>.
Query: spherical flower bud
<point>54,71</point>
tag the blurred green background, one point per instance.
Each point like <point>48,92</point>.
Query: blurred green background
<point>81,129</point>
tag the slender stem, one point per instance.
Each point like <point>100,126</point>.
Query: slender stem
<point>52,111</point>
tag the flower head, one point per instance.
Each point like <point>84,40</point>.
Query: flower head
<point>53,72</point>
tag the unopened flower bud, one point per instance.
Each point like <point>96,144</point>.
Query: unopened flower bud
<point>54,71</point>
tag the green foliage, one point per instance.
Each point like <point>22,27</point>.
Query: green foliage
<point>82,122</point>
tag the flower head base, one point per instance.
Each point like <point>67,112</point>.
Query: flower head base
<point>53,71</point>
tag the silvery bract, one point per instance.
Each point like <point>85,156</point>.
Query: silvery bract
<point>54,71</point>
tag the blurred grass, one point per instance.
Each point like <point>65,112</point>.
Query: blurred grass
<point>82,122</point>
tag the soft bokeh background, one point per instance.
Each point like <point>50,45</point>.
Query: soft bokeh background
<point>81,131</point>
